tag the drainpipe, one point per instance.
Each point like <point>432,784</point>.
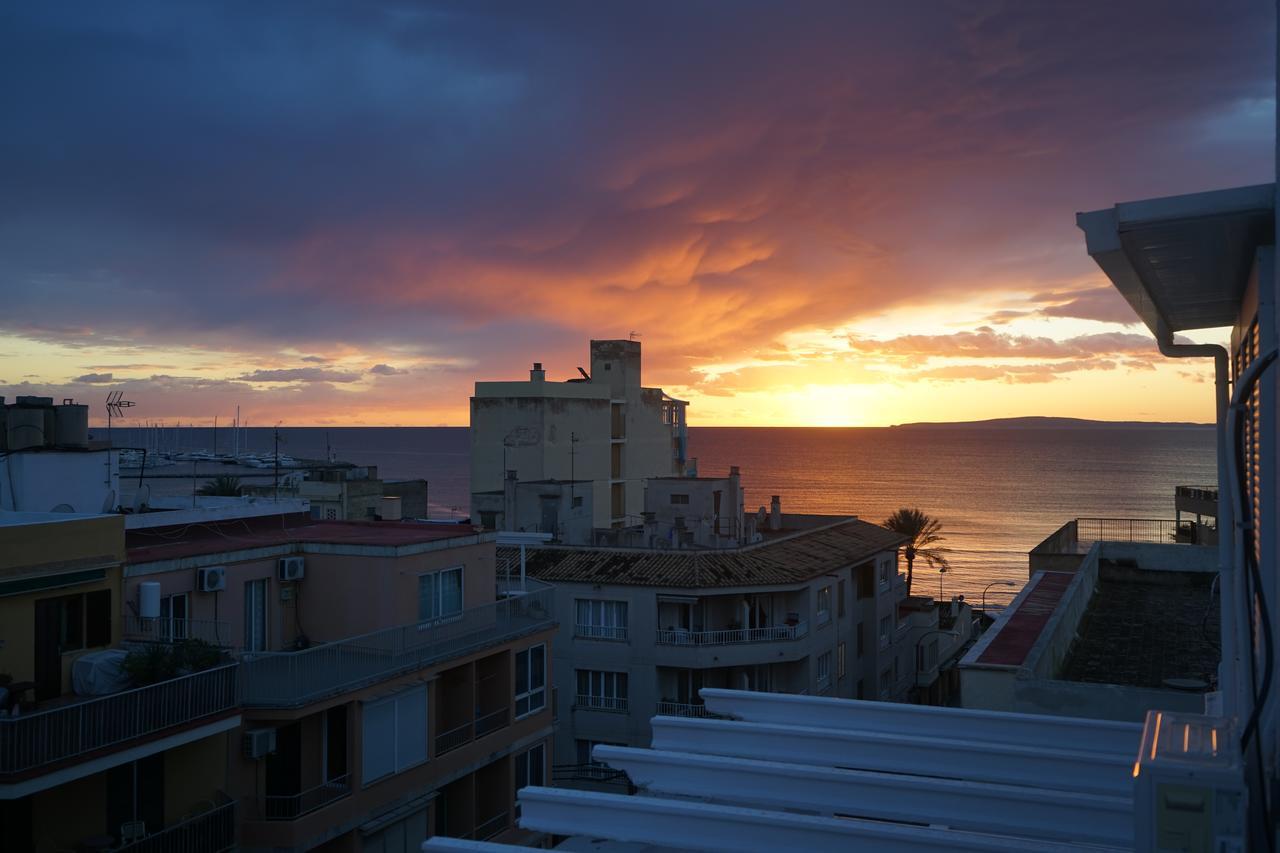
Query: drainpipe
<point>1230,592</point>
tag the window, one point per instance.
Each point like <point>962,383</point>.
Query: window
<point>82,621</point>
<point>600,620</point>
<point>440,594</point>
<point>840,595</point>
<point>394,733</point>
<point>679,499</point>
<point>824,669</point>
<point>255,615</point>
<point>577,502</point>
<point>885,684</point>
<point>530,769</point>
<point>824,605</point>
<point>861,689</point>
<point>840,661</point>
<point>531,680</point>
<point>174,610</point>
<point>885,628</point>
<point>604,691</point>
<point>862,633</point>
<point>331,514</point>
<point>884,572</point>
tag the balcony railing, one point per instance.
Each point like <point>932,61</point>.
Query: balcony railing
<point>294,806</point>
<point>601,703</point>
<point>43,737</point>
<point>600,632</point>
<point>731,636</point>
<point>685,709</point>
<point>291,679</point>
<point>176,630</point>
<point>495,825</point>
<point>211,832</point>
<point>460,736</point>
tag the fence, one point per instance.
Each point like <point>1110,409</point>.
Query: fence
<point>43,737</point>
<point>731,636</point>
<point>1155,530</point>
<point>211,832</point>
<point>291,679</point>
<point>168,630</point>
<point>294,806</point>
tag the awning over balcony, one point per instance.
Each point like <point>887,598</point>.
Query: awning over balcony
<point>1183,261</point>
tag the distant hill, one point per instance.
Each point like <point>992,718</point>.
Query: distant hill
<point>1040,422</point>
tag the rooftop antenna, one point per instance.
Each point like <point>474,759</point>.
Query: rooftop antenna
<point>634,335</point>
<point>585,375</point>
<point>115,409</point>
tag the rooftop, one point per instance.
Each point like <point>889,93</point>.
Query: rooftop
<point>188,541</point>
<point>785,559</point>
<point>1024,620</point>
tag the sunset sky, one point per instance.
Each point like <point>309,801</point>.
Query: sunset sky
<point>813,213</point>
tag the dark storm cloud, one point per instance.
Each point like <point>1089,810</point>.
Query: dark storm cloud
<point>241,176</point>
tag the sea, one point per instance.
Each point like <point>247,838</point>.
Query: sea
<point>996,491</point>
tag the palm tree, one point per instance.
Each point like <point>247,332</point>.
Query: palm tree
<point>924,532</point>
<point>222,485</point>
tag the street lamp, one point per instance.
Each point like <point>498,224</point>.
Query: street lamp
<point>988,586</point>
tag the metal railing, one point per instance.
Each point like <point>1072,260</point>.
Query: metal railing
<point>685,709</point>
<point>1200,493</point>
<point>213,831</point>
<point>491,827</point>
<point>600,703</point>
<point>600,632</point>
<point>43,737</point>
<point>162,630</point>
<point>731,636</point>
<point>1156,530</point>
<point>294,806</point>
<point>291,679</point>
<point>484,724</point>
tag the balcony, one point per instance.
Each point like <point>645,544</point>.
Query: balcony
<point>731,636</point>
<point>294,806</point>
<point>601,632</point>
<point>686,709</point>
<point>68,731</point>
<point>601,703</point>
<point>484,724</point>
<point>294,679</point>
<point>213,831</point>
<point>487,829</point>
<point>1065,549</point>
<point>137,629</point>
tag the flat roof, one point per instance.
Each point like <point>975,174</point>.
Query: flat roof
<point>201,539</point>
<point>1017,632</point>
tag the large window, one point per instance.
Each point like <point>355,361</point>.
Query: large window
<point>883,568</point>
<point>530,769</point>
<point>174,616</point>
<point>531,680</point>
<point>824,605</point>
<point>601,620</point>
<point>824,669</point>
<point>83,621</point>
<point>255,615</point>
<point>394,733</point>
<point>440,594</point>
<point>604,691</point>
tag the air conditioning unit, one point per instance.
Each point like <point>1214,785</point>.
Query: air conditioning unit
<point>212,579</point>
<point>292,568</point>
<point>259,743</point>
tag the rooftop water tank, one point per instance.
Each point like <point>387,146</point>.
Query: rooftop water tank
<point>71,425</point>
<point>24,427</point>
<point>149,600</point>
<point>390,508</point>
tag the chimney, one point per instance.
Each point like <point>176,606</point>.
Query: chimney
<point>509,501</point>
<point>537,374</point>
<point>775,513</point>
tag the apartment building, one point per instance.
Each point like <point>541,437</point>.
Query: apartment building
<point>93,754</point>
<point>387,692</point>
<point>349,493</point>
<point>603,426</point>
<point>813,608</point>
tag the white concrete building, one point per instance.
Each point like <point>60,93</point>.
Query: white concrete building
<point>813,608</point>
<point>603,426</point>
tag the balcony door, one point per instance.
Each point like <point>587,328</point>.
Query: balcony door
<point>255,615</point>
<point>135,792</point>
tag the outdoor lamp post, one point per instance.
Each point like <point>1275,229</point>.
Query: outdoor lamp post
<point>988,586</point>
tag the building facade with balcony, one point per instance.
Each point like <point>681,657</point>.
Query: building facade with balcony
<point>95,754</point>
<point>388,692</point>
<point>604,426</point>
<point>811,609</point>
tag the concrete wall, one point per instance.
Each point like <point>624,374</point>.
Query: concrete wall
<point>1097,701</point>
<point>38,481</point>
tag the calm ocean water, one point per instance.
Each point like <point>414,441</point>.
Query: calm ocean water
<point>998,492</point>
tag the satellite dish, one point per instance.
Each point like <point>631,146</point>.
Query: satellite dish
<point>140,498</point>
<point>109,502</point>
<point>63,508</point>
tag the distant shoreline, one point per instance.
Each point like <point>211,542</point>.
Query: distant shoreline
<point>1043,422</point>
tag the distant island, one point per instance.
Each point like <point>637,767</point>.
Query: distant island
<point>1041,422</point>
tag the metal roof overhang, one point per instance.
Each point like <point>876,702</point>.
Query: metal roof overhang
<point>1182,262</point>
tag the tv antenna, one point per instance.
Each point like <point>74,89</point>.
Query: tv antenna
<point>115,408</point>
<point>634,335</point>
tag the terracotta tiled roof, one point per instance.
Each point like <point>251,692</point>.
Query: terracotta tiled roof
<point>789,559</point>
